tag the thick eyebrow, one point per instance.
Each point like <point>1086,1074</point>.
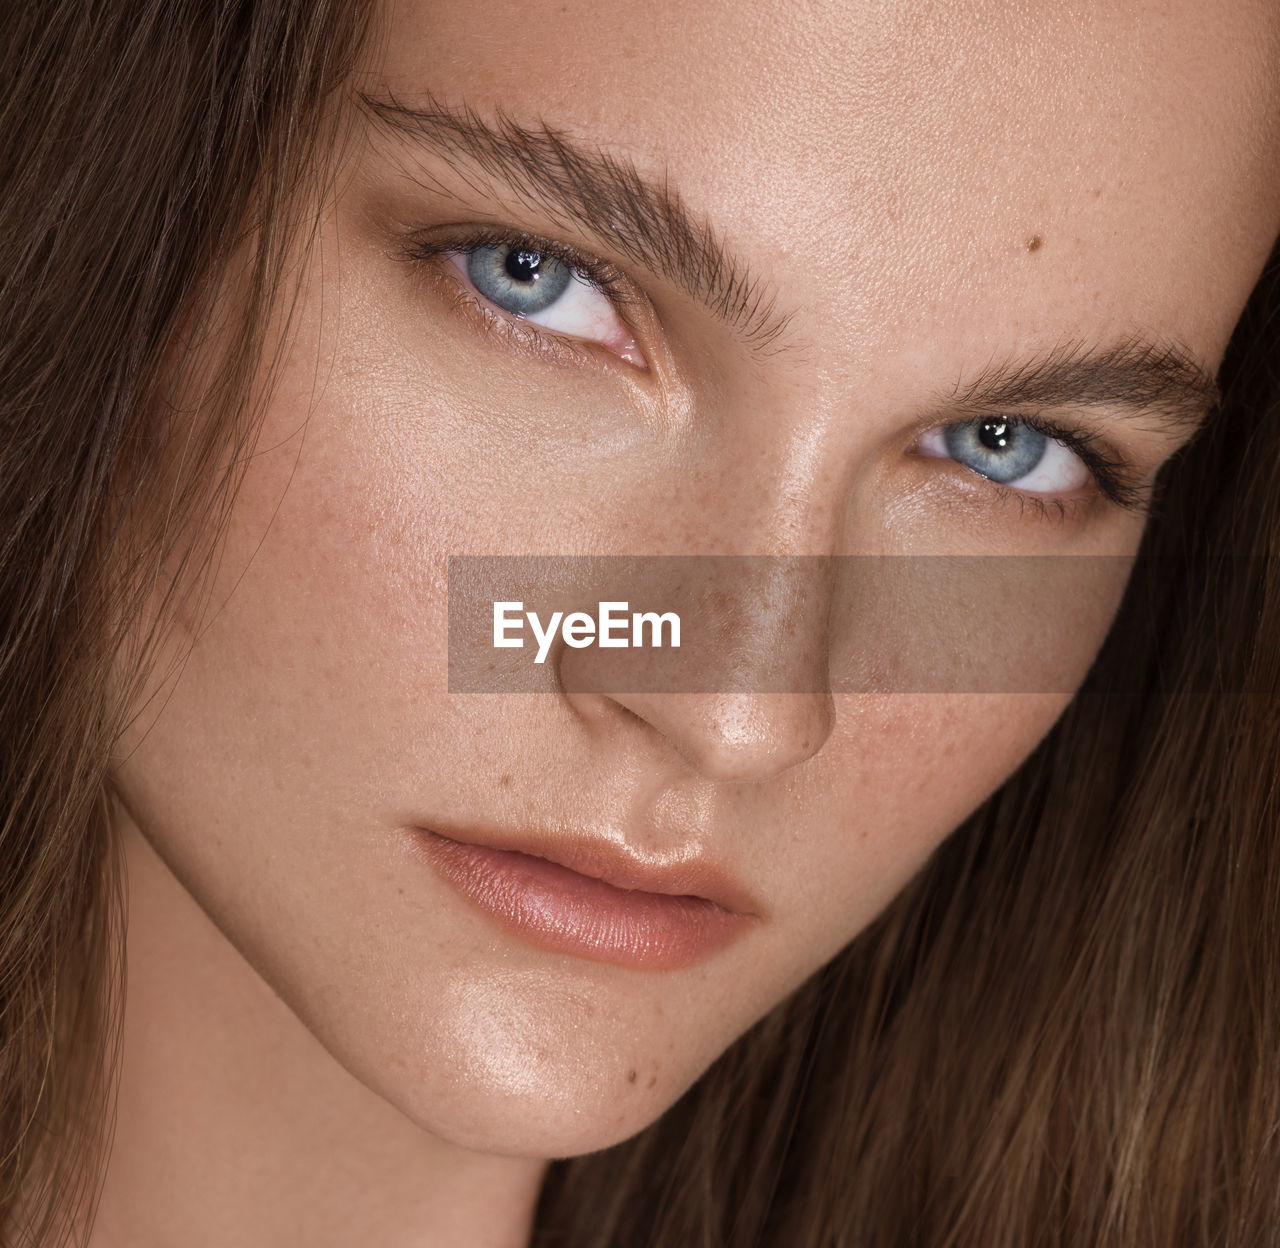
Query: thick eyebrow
<point>1155,379</point>
<point>603,193</point>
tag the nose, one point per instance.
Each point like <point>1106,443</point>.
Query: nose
<point>735,738</point>
<point>748,697</point>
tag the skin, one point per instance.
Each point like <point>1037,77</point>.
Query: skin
<point>323,1042</point>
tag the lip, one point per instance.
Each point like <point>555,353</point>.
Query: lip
<point>592,899</point>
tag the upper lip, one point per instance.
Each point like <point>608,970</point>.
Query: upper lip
<point>693,875</point>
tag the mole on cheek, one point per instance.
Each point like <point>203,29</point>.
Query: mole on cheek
<point>1035,242</point>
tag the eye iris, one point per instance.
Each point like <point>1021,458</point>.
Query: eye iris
<point>999,449</point>
<point>519,280</point>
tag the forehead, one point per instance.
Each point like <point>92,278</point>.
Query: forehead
<point>915,160</point>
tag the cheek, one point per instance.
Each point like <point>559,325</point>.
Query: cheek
<point>899,775</point>
<point>289,728</point>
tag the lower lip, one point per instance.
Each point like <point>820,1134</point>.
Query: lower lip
<point>554,908</point>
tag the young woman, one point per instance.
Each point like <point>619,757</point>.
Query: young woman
<point>297,945</point>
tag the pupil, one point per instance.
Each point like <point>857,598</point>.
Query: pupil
<point>522,266</point>
<point>995,435</point>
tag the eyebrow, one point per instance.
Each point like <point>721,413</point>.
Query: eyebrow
<point>1156,378</point>
<point>646,221</point>
<point>642,219</point>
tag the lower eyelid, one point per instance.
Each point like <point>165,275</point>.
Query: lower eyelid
<point>514,332</point>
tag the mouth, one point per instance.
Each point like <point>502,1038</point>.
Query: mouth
<point>591,899</point>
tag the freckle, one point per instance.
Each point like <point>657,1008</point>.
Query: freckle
<point>1035,242</point>
<point>504,782</point>
<point>653,1079</point>
<point>631,1076</point>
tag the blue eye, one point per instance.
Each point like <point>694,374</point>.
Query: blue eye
<point>1011,452</point>
<point>1002,450</point>
<point>536,287</point>
<point>518,280</point>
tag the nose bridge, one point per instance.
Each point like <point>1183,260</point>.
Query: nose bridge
<point>781,477</point>
<point>749,695</point>
<point>766,622</point>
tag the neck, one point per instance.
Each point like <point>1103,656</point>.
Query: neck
<point>236,1126</point>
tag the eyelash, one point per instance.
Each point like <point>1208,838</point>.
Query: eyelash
<point>1115,477</point>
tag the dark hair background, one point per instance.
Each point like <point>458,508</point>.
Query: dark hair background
<point>1064,1032</point>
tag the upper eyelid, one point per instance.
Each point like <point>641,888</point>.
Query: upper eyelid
<point>642,218</point>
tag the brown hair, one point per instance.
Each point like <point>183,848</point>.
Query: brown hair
<point>1063,1032</point>
<point>141,144</point>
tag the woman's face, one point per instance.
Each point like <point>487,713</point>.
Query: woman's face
<point>786,269</point>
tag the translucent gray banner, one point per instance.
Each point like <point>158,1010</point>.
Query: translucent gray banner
<point>799,624</point>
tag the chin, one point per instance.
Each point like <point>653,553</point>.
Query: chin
<point>550,1127</point>
<point>508,1092</point>
<point>522,1065</point>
